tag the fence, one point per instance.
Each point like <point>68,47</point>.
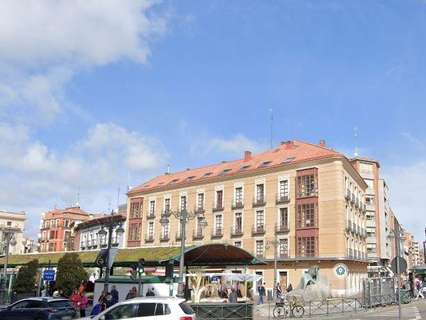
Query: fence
<point>379,291</point>
<point>332,306</point>
<point>224,311</point>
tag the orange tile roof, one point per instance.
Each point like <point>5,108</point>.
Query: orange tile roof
<point>287,153</point>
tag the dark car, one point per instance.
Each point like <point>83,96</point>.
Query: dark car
<point>39,309</point>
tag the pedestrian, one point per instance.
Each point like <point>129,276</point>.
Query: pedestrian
<point>114,295</point>
<point>83,304</point>
<point>131,294</point>
<point>103,300</point>
<point>233,297</point>
<point>75,299</point>
<point>150,292</point>
<point>278,290</point>
<point>419,288</point>
<point>289,288</point>
<point>262,292</point>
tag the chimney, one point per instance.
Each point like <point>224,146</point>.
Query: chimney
<point>288,142</point>
<point>322,143</point>
<point>247,155</point>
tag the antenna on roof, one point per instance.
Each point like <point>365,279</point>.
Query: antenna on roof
<point>168,169</point>
<point>118,197</point>
<point>271,119</point>
<point>77,204</point>
<point>128,181</point>
<point>356,153</point>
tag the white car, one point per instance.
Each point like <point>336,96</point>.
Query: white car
<point>148,308</point>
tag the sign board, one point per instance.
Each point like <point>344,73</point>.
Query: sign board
<point>341,270</point>
<point>49,275</point>
<point>402,263</point>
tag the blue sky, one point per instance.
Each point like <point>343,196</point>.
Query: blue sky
<point>192,82</point>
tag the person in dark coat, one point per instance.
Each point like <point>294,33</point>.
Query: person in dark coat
<point>114,295</point>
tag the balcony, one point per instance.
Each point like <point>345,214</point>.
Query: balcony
<point>164,238</point>
<point>282,255</point>
<point>199,210</point>
<point>150,215</point>
<point>350,255</point>
<point>197,235</point>
<point>259,202</point>
<point>258,230</point>
<point>348,195</point>
<point>218,207</point>
<point>236,231</point>
<point>167,213</point>
<point>149,239</point>
<point>237,205</point>
<point>349,226</point>
<point>281,228</point>
<point>282,198</point>
<point>217,233</point>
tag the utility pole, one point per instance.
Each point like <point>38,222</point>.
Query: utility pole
<point>398,250</point>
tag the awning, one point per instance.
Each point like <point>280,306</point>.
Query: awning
<point>206,255</point>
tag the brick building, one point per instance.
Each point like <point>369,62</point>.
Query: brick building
<point>303,200</point>
<point>57,228</point>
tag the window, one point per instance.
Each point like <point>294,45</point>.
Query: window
<point>260,192</point>
<point>151,230</point>
<point>259,248</point>
<point>238,222</point>
<point>20,305</point>
<point>307,185</point>
<point>200,201</point>
<point>167,205</point>
<point>9,223</point>
<point>237,244</point>
<point>260,219</point>
<point>152,207</point>
<point>283,218</point>
<point>186,308</point>
<point>218,221</point>
<point>166,230</point>
<point>182,203</point>
<point>124,311</point>
<point>134,231</point>
<point>306,246</point>
<point>135,209</point>
<point>283,189</point>
<point>146,309</point>
<point>219,199</point>
<point>238,195</point>
<point>306,215</point>
<point>283,248</point>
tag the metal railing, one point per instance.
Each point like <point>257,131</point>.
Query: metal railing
<point>235,311</point>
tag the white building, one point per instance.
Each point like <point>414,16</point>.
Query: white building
<point>14,222</point>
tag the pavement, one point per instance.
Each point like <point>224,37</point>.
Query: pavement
<point>415,310</point>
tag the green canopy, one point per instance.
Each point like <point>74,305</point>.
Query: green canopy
<point>205,255</point>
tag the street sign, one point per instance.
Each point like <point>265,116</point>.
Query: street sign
<point>402,264</point>
<point>341,270</point>
<point>49,275</point>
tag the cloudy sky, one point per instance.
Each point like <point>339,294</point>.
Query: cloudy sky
<point>97,95</point>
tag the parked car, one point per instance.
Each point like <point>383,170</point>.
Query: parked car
<point>39,309</point>
<point>148,308</point>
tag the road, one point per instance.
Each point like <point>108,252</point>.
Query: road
<point>413,311</point>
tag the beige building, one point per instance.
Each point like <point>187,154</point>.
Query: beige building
<point>304,200</point>
<point>14,221</point>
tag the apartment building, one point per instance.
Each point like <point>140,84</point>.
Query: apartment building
<point>87,233</point>
<point>379,213</point>
<point>15,222</point>
<point>57,228</point>
<point>303,202</point>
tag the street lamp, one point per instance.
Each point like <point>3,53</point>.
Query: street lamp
<point>183,216</point>
<point>8,240</point>
<point>102,234</point>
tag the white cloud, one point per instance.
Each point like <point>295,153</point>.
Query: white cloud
<point>232,147</point>
<point>34,175</point>
<point>408,185</point>
<point>43,45</point>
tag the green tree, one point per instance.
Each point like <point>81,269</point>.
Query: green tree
<point>26,278</point>
<point>70,273</point>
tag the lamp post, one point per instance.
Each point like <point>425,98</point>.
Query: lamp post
<point>109,225</point>
<point>183,216</point>
<point>396,234</point>
<point>274,243</point>
<point>8,239</point>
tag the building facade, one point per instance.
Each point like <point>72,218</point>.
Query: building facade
<point>13,221</point>
<point>57,228</point>
<point>300,202</point>
<point>87,233</point>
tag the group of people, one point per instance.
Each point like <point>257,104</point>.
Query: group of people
<point>106,300</point>
<point>420,287</point>
<point>279,291</point>
<point>79,300</point>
